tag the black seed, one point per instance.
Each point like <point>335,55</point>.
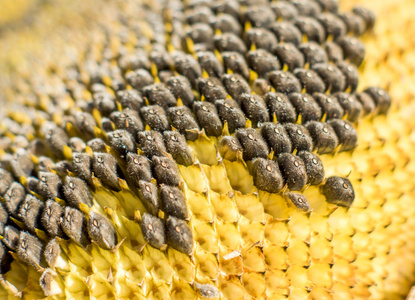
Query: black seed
<point>101,231</point>
<point>229,42</point>
<point>76,144</point>
<point>104,103</point>
<point>307,7</point>
<point>227,23</point>
<point>161,58</point>
<point>229,147</point>
<point>293,171</point>
<point>85,123</point>
<point>200,14</point>
<point>252,143</point>
<point>148,195</point>
<point>179,235</point>
<point>76,191</point>
<point>107,125</point>
<point>299,136</point>
<point>267,176</point>
<point>13,198</point>
<point>230,112</point>
<point>306,106</point>
<point>52,252</point>
<point>130,99</point>
<point>289,55</point>
<point>97,145</point>
<point>332,77</point>
<point>334,52</point>
<point>235,85</point>
<point>138,168</point>
<point>338,191</point>
<point>299,201</point>
<point>368,104</point>
<point>381,97</point>
<point>182,119</point>
<point>155,117</point>
<point>30,249</point>
<point>350,105</point>
<point>153,230</point>
<point>255,108</point>
<point>311,28</point>
<point>74,225</point>
<point>310,81</point>
<point>314,167</point>
<point>176,145</point>
<point>151,143</point>
<point>30,212</point>
<point>313,53</point>
<point>212,89</point>
<point>277,138</point>
<point>22,164</point>
<point>138,79</point>
<point>262,62</point>
<point>350,73</point>
<point>207,290</point>
<point>166,171</point>
<point>258,16</point>
<point>180,87</point>
<point>367,15</point>
<point>6,180</point>
<point>128,120</point>
<point>235,62</point>
<point>159,94</point>
<point>353,49</point>
<point>122,142</point>
<point>284,10</point>
<point>355,24</point>
<point>261,38</point>
<point>173,202</point>
<point>333,25</point>
<point>287,32</point>
<point>279,105</point>
<point>208,118</point>
<point>82,163</point>
<point>346,133</point>
<point>323,135</point>
<point>210,63</point>
<point>51,218</point>
<point>284,82</point>
<point>187,66</point>
<point>4,216</point>
<point>105,168</point>
<point>329,106</point>
<point>11,237</point>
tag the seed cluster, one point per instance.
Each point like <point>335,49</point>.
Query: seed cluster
<point>275,83</point>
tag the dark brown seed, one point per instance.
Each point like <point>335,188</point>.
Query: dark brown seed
<point>122,142</point>
<point>13,198</point>
<point>229,42</point>
<point>324,137</point>
<point>293,171</point>
<point>139,78</point>
<point>97,145</point>
<point>262,62</point>
<point>333,25</point>
<point>235,85</point>
<point>314,167</point>
<point>138,168</point>
<point>105,168</point>
<point>151,143</point>
<point>287,32</point>
<point>311,28</point>
<point>30,249</point>
<point>166,171</point>
<point>22,164</point>
<point>104,103</point>
<point>284,82</point>
<point>210,63</point>
<point>101,231</point>
<point>182,119</point>
<point>261,38</point>
<point>329,106</point>
<point>339,191</point>
<point>179,235</point>
<point>353,49</point>
<point>201,33</point>
<point>367,15</point>
<point>187,66</point>
<point>130,99</point>
<point>212,89</point>
<point>173,202</point>
<point>74,225</point>
<point>368,104</point>
<point>52,252</point>
<point>306,106</point>
<point>299,136</point>
<point>235,62</point>
<point>6,180</point>
<point>350,105</point>
<point>299,201</point>
<point>334,52</point>
<point>230,112</point>
<point>128,120</point>
<point>155,117</point>
<point>62,168</point>
<point>227,23</point>
<point>332,77</point>
<point>161,59</point>
<point>208,118</point>
<point>284,10</point>
<point>159,94</point>
<point>307,7</point>
<point>229,147</point>
<point>279,105</point>
<point>255,108</point>
<point>381,97</point>
<point>46,164</point>
<point>153,230</point>
<point>181,89</point>
<point>76,144</point>
<point>351,75</point>
<point>51,218</point>
<point>289,56</point>
<point>31,211</point>
<point>258,16</point>
<point>85,123</point>
<point>313,53</point>
<point>310,81</point>
<point>252,143</point>
<point>277,138</point>
<point>176,145</point>
<point>82,164</point>
<point>148,195</point>
<point>56,138</point>
<point>199,14</point>
<point>76,191</point>
<point>346,134</point>
<point>4,216</point>
<point>355,24</point>
<point>11,237</point>
<point>267,176</point>
<point>107,125</point>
